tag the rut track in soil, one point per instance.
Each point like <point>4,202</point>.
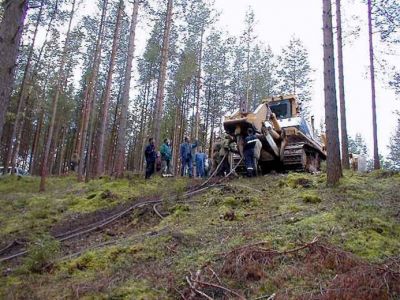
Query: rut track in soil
<point>101,224</point>
<point>71,234</point>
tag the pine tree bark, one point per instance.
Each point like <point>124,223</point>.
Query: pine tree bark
<point>13,148</point>
<point>199,86</point>
<point>10,36</point>
<point>343,121</point>
<point>377,164</point>
<point>107,95</point>
<point>90,97</point>
<point>35,143</point>
<point>121,143</point>
<point>60,81</point>
<point>334,170</point>
<point>162,77</point>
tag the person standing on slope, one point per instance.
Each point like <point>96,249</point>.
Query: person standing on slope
<point>248,152</point>
<point>150,154</point>
<point>166,156</point>
<point>187,156</point>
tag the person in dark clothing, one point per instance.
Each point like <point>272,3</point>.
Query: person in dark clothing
<point>166,156</point>
<point>150,155</point>
<point>248,152</point>
<point>74,161</point>
<point>187,156</point>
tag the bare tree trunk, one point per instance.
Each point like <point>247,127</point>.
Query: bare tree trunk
<point>60,81</point>
<point>377,164</point>
<point>334,170</point>
<point>13,149</point>
<point>343,122</point>
<point>99,168</point>
<point>10,36</point>
<point>163,73</point>
<point>90,96</point>
<point>121,143</point>
<point>198,86</point>
<point>35,143</point>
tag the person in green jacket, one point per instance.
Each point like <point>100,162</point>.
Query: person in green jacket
<point>166,157</point>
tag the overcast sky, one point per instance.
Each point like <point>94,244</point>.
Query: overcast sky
<point>278,21</point>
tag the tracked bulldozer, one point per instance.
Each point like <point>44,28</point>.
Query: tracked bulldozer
<point>288,141</point>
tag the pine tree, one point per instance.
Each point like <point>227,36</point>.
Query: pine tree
<point>394,148</point>
<point>295,73</point>
<point>162,76</point>
<point>373,93</point>
<point>357,145</point>
<point>10,35</point>
<point>248,39</point>
<point>343,121</point>
<point>60,80</point>
<point>107,94</point>
<point>121,142</point>
<point>334,170</point>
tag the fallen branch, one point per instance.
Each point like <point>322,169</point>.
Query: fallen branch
<point>220,287</point>
<point>197,290</point>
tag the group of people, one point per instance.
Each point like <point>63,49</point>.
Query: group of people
<point>165,156</point>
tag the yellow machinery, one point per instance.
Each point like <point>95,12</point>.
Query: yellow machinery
<point>288,143</point>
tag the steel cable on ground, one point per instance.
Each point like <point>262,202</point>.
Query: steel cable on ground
<point>107,221</point>
<point>102,223</point>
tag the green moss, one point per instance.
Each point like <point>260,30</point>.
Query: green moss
<point>231,202</point>
<point>357,215</point>
<point>373,245</point>
<point>41,254</point>
<point>296,180</point>
<point>310,198</point>
<point>138,289</point>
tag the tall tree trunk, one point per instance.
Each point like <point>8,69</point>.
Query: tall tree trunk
<point>343,122</point>
<point>90,96</point>
<point>377,164</point>
<point>10,36</point>
<point>121,143</point>
<point>107,95</point>
<point>13,149</point>
<point>199,85</point>
<point>60,81</point>
<point>35,143</point>
<point>334,170</point>
<point>163,73</point>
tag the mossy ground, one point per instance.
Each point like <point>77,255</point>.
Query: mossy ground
<point>361,215</point>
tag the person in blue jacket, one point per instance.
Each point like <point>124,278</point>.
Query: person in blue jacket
<point>200,163</point>
<point>187,156</point>
<point>248,152</point>
<point>150,154</point>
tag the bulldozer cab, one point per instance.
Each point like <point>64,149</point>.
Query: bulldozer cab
<point>283,107</point>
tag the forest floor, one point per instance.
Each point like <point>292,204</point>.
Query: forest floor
<point>272,237</point>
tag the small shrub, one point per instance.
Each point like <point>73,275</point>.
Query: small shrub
<point>41,254</point>
<point>310,198</point>
<point>91,196</point>
<point>107,194</point>
<point>295,181</point>
<point>231,202</point>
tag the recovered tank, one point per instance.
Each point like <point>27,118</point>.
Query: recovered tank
<point>288,142</point>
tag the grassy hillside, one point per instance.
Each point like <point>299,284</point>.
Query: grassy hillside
<point>284,235</point>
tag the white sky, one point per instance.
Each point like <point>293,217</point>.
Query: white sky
<point>277,21</point>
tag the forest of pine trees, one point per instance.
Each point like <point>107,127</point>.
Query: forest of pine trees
<point>74,88</point>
